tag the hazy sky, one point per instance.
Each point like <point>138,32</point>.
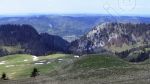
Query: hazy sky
<point>114,7</point>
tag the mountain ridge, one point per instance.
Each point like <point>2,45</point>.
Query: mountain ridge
<point>112,37</point>
<point>25,39</point>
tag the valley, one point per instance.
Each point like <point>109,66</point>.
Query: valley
<point>69,25</point>
<point>96,52</point>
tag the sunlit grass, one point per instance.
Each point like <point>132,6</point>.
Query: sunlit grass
<point>21,65</point>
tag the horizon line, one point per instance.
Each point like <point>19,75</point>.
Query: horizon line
<point>70,14</point>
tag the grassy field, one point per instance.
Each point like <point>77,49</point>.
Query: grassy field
<point>21,65</point>
<point>65,69</point>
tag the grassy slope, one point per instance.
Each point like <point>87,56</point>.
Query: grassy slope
<point>92,66</point>
<point>23,68</point>
<point>96,61</point>
<point>12,49</point>
<point>92,69</point>
<point>124,47</point>
<point>97,69</point>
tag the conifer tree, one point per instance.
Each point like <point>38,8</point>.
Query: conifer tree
<point>35,72</point>
<point>4,76</point>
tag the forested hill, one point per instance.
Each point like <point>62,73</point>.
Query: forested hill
<point>25,39</point>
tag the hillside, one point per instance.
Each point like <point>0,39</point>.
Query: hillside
<point>16,39</point>
<point>113,37</point>
<point>89,69</point>
<point>136,54</point>
<point>15,65</point>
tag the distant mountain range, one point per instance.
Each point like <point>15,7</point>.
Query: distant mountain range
<point>69,27</point>
<point>16,39</point>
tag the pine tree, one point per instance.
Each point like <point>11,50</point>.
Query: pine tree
<point>4,77</point>
<point>35,72</point>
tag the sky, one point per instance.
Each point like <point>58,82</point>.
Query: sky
<point>112,7</point>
